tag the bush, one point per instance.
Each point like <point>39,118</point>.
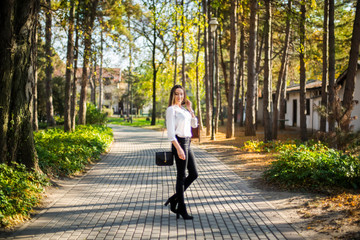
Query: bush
<point>272,146</point>
<point>64,153</point>
<point>94,116</point>
<point>20,191</point>
<point>313,166</point>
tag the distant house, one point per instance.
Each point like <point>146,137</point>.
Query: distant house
<point>313,99</point>
<point>114,87</point>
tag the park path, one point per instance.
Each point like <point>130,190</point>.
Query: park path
<point>122,197</point>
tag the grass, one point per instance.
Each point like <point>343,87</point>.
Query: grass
<point>144,122</point>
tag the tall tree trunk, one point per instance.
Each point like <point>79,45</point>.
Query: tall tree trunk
<point>282,96</point>
<point>352,69</point>
<point>49,66</point>
<point>209,103</point>
<point>206,63</point>
<point>183,77</point>
<point>101,91</point>
<point>35,87</point>
<point>73,87</point>
<point>251,83</point>
<point>18,21</point>
<point>281,79</point>
<point>233,47</point>
<point>331,62</point>
<point>224,69</point>
<point>87,48</point>
<point>267,75</point>
<point>198,100</point>
<point>69,69</point>
<point>302,74</point>
<point>217,85</point>
<point>325,66</point>
<point>241,76</point>
<point>153,117</point>
<point>176,42</point>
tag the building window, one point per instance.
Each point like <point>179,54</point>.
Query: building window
<point>107,81</point>
<point>107,96</point>
<point>308,106</point>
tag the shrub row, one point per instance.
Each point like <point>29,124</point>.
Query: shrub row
<point>61,153</point>
<point>20,191</point>
<point>315,165</point>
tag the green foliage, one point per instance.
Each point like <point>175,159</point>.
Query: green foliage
<point>64,153</point>
<point>313,166</point>
<point>94,116</point>
<point>272,146</point>
<point>20,191</point>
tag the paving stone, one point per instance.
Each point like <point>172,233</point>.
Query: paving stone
<point>122,197</point>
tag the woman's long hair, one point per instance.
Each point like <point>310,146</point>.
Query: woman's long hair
<point>172,94</point>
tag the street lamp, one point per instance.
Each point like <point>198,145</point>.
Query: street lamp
<point>213,25</point>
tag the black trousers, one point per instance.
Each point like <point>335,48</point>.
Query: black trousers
<point>183,181</point>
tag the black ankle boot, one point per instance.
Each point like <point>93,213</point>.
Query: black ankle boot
<point>173,202</point>
<point>182,211</point>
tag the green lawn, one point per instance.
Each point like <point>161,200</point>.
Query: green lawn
<point>138,122</point>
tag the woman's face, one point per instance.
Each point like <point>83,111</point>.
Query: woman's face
<point>179,96</point>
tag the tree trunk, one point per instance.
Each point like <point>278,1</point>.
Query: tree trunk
<point>353,67</point>
<point>281,79</point>
<point>209,80</point>
<point>35,87</point>
<point>76,55</point>
<point>153,117</point>
<point>69,69</point>
<point>241,76</point>
<point>18,21</point>
<point>251,84</point>
<point>101,91</point>
<point>267,75</point>
<point>217,85</point>
<point>176,42</point>
<point>198,101</point>
<point>302,74</point>
<point>49,66</point>
<point>233,47</point>
<point>331,119</point>
<point>325,67</point>
<point>87,53</point>
<point>224,69</point>
<point>183,77</point>
<point>283,96</point>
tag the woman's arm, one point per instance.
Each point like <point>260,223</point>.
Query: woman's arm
<point>179,149</point>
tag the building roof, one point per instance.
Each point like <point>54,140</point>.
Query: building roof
<point>311,84</point>
<point>340,80</point>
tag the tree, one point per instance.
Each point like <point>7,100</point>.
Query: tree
<point>69,68</point>
<point>331,61</point>
<point>302,73</point>
<point>89,18</point>
<point>267,74</point>
<point>233,47</point>
<point>251,83</point>
<point>325,66</point>
<point>348,101</point>
<point>18,21</point>
<point>49,65</point>
<point>281,83</point>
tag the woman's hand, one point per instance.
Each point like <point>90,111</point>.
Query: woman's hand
<point>188,105</point>
<point>181,153</point>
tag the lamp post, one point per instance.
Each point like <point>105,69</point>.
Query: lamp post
<point>213,25</point>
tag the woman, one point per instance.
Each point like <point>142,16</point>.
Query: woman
<point>179,120</point>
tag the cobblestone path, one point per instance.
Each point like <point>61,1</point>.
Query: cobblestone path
<point>122,197</point>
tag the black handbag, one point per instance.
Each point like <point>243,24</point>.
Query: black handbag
<point>164,158</point>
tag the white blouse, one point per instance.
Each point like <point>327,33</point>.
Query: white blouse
<point>179,122</point>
